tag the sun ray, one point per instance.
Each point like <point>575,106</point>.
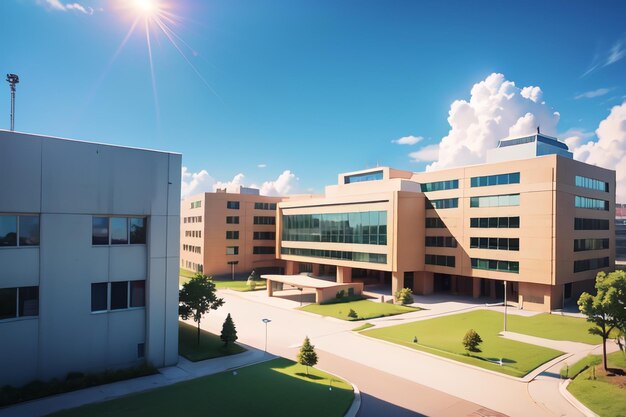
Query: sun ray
<point>152,76</point>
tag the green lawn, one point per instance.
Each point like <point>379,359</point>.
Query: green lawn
<point>275,388</point>
<point>365,309</point>
<point>211,346</point>
<point>363,327</point>
<point>552,326</point>
<point>442,336</point>
<point>237,285</point>
<point>601,395</point>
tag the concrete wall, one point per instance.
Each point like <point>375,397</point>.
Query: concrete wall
<point>67,183</point>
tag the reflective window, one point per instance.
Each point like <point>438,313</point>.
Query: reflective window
<point>440,260</point>
<point>264,220</point>
<point>119,295</point>
<point>232,205</point>
<point>442,204</point>
<point>590,224</point>
<point>8,303</point>
<point>434,223</point>
<point>494,243</point>
<point>8,230</point>
<point>591,183</point>
<point>232,250</point>
<point>119,230</point>
<point>232,234</point>
<point>589,264</point>
<point>138,293</point>
<point>99,296</point>
<point>591,203</point>
<point>440,185</point>
<point>378,258</point>
<point>590,244</point>
<point>495,200</point>
<point>29,230</point>
<point>232,219</point>
<point>137,230</point>
<point>500,179</point>
<point>440,241</point>
<point>28,301</point>
<point>367,176</point>
<point>358,227</point>
<point>100,231</point>
<point>495,265</point>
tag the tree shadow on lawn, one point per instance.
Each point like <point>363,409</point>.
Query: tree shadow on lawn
<point>310,376</point>
<point>505,361</point>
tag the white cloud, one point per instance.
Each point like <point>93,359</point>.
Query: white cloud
<point>195,182</point>
<point>58,5</point>
<point>286,183</point>
<point>609,151</point>
<point>594,93</point>
<point>201,182</point>
<point>575,137</point>
<point>262,166</point>
<point>408,140</point>
<point>616,53</point>
<point>497,109</point>
<point>426,154</point>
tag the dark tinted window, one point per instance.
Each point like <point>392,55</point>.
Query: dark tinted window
<point>29,230</point>
<point>8,303</point>
<point>8,230</point>
<point>119,295</point>
<point>29,301</point>
<point>137,293</point>
<point>99,296</point>
<point>137,230</point>
<point>100,231</point>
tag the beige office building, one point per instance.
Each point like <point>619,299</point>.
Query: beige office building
<point>224,234</point>
<point>531,217</point>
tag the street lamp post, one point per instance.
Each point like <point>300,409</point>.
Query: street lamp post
<point>266,321</point>
<point>505,306</point>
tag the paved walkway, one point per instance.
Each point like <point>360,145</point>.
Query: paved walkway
<point>183,371</point>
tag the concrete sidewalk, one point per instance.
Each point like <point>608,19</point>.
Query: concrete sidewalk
<point>183,371</point>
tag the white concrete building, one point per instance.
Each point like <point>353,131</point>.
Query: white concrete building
<point>89,237</point>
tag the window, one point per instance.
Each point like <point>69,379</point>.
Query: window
<point>100,231</point>
<point>232,250</point>
<point>495,201</point>
<point>495,222</point>
<point>440,185</point>
<point>442,204</point>
<point>434,223</point>
<point>263,250</point>
<point>232,219</point>
<point>232,234</point>
<point>591,203</point>
<point>368,227</point>
<point>122,230</point>
<point>264,236</point>
<point>19,230</point>
<point>495,265</point>
<point>196,204</point>
<point>19,302</point>
<point>441,241</point>
<point>265,206</point>
<point>118,295</point>
<point>137,230</point>
<point>590,244</point>
<point>234,205</point>
<point>119,231</point>
<point>264,220</point>
<point>591,183</point>
<point>500,179</point>
<point>367,176</point>
<point>494,243</point>
<point>590,224</point>
<point>378,258</point>
<point>589,264</point>
<point>440,260</point>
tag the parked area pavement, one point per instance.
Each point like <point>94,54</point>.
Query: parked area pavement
<point>183,371</point>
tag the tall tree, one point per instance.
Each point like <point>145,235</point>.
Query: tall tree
<point>198,297</point>
<point>229,333</point>
<point>606,309</point>
<point>307,355</point>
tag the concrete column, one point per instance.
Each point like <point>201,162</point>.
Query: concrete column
<point>270,290</point>
<point>344,274</point>
<point>397,281</point>
<point>316,269</point>
<point>476,287</point>
<point>423,283</point>
<point>290,268</point>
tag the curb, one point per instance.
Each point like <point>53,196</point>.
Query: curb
<point>573,401</point>
<point>356,402</point>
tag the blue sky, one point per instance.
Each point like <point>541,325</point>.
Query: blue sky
<point>314,87</point>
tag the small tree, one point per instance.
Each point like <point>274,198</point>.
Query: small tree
<point>307,355</point>
<point>471,340</point>
<point>198,297</point>
<point>606,308</point>
<point>229,333</point>
<point>352,314</point>
<point>404,296</point>
<point>252,281</point>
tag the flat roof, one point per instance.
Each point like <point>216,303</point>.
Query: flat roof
<point>302,281</point>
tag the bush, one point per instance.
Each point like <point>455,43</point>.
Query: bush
<point>251,283</point>
<point>340,294</point>
<point>352,314</point>
<point>404,296</point>
<point>471,340</point>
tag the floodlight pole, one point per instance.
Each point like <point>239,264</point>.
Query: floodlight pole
<point>266,321</point>
<point>505,306</point>
<point>13,79</point>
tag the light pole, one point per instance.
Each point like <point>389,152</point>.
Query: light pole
<point>13,79</point>
<point>505,306</point>
<point>266,321</point>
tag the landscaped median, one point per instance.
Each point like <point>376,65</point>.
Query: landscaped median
<point>278,387</point>
<point>443,337</point>
<point>236,285</point>
<point>362,310</point>
<point>210,346</point>
<point>604,394</point>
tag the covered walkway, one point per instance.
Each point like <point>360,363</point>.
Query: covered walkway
<point>324,290</point>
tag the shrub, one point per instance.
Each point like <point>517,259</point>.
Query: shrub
<point>340,294</point>
<point>251,283</point>
<point>471,340</point>
<point>404,296</point>
<point>352,314</point>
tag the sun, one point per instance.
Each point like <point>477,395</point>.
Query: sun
<point>147,7</point>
